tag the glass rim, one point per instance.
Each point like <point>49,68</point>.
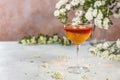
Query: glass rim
<point>83,25</point>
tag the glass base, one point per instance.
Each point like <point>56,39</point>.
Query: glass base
<point>77,69</point>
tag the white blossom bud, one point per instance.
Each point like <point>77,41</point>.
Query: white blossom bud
<point>106,52</point>
<point>118,4</point>
<point>118,43</point>
<point>97,4</point>
<point>94,13</point>
<point>78,13</point>
<point>76,21</point>
<point>103,2</point>
<point>75,2</point>
<point>82,2</point>
<point>98,22</point>
<point>68,7</point>
<point>116,15</point>
<point>112,49</point>
<point>99,46</point>
<point>100,15</point>
<point>56,13</point>
<point>62,10</point>
<point>89,15</point>
<point>106,23</point>
<point>106,45</point>
<point>61,3</point>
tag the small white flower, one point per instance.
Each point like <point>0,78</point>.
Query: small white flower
<point>23,41</point>
<point>116,15</point>
<point>118,43</point>
<point>76,21</point>
<point>97,4</point>
<point>62,10</point>
<point>57,76</point>
<point>118,56</point>
<point>99,46</point>
<point>45,65</point>
<point>68,7</point>
<point>56,13</point>
<point>106,52</point>
<point>78,13</point>
<point>33,41</point>
<point>118,4</point>
<point>106,45</point>
<point>61,3</point>
<point>100,15</point>
<point>94,13</point>
<point>111,57</point>
<point>75,2</point>
<point>112,49</point>
<point>89,15</point>
<point>90,9</point>
<point>82,2</point>
<point>98,22</point>
<point>55,38</point>
<point>103,2</point>
<point>92,49</point>
<point>106,23</point>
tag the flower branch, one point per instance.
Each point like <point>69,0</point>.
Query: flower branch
<point>87,11</point>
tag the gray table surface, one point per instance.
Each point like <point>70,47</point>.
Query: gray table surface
<point>21,62</point>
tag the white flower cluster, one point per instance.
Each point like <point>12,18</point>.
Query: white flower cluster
<point>117,15</point>
<point>87,11</point>
<point>44,39</point>
<point>57,76</point>
<point>108,50</point>
<point>62,10</point>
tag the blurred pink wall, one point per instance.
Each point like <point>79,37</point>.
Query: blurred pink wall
<point>30,17</point>
<point>23,17</point>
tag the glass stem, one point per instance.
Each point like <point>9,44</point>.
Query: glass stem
<point>77,50</point>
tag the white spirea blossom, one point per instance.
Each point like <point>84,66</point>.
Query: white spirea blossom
<point>90,9</point>
<point>106,23</point>
<point>82,2</point>
<point>103,2</point>
<point>118,4</point>
<point>56,13</point>
<point>75,2</point>
<point>116,15</point>
<point>100,15</point>
<point>94,13</point>
<point>76,21</point>
<point>97,4</point>
<point>108,50</point>
<point>61,3</point>
<point>79,13</point>
<point>92,49</point>
<point>68,7</point>
<point>99,46</point>
<point>112,49</point>
<point>62,10</point>
<point>105,45</point>
<point>98,22</point>
<point>118,43</point>
<point>89,15</point>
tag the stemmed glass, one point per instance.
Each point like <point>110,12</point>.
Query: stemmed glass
<point>77,34</point>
